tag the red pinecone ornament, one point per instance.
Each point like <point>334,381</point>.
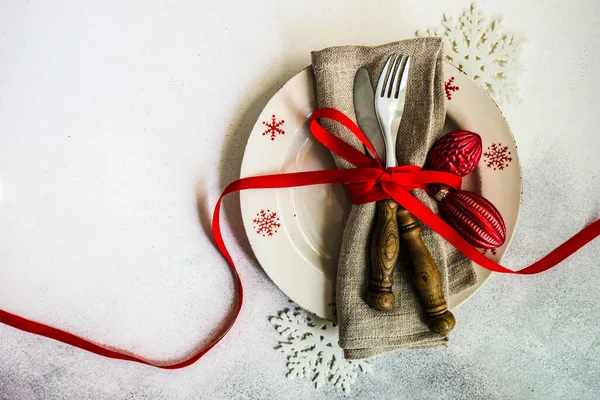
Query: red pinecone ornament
<point>475,218</point>
<point>458,152</point>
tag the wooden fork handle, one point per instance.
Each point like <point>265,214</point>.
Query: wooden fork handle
<point>385,245</point>
<point>425,274</point>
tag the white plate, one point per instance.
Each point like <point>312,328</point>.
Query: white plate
<point>296,233</point>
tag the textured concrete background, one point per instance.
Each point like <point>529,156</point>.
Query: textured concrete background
<point>144,71</point>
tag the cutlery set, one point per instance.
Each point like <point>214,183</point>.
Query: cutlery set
<point>475,218</point>
<point>378,115</point>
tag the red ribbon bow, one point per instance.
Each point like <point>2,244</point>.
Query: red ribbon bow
<point>367,183</point>
<point>374,182</point>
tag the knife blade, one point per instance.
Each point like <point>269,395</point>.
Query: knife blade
<point>364,108</point>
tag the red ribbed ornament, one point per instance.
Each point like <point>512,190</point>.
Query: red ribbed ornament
<point>475,218</point>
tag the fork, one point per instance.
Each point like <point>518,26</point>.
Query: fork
<point>389,106</point>
<point>385,239</point>
<point>390,97</point>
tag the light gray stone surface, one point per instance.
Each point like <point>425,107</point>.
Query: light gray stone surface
<point>532,337</point>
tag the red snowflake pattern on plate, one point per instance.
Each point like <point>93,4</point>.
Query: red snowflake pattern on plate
<point>492,251</point>
<point>266,222</point>
<point>448,88</point>
<point>497,156</point>
<point>273,127</point>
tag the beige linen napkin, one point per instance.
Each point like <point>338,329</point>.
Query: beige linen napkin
<point>363,331</point>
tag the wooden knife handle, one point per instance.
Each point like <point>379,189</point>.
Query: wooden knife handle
<point>385,245</point>
<point>426,275</point>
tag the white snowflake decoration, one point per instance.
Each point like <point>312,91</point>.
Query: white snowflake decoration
<point>313,350</point>
<point>478,46</point>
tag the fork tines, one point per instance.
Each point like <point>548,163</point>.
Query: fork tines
<point>395,76</point>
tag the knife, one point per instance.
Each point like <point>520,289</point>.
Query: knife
<point>385,246</point>
<point>385,238</point>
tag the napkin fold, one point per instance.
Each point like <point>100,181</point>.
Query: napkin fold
<point>363,331</point>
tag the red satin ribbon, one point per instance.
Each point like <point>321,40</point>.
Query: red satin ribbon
<point>367,183</point>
